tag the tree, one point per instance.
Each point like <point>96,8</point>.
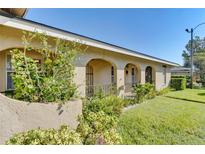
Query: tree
<point>198,56</point>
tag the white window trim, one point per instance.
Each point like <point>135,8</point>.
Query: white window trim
<point>7,71</point>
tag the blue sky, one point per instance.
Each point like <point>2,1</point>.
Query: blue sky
<point>157,32</point>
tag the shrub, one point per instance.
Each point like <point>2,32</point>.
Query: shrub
<point>111,105</point>
<point>178,83</point>
<point>188,81</point>
<point>143,92</point>
<point>63,136</point>
<point>164,91</point>
<point>178,76</point>
<point>128,101</point>
<point>53,79</point>
<point>98,128</point>
<point>98,124</point>
<point>187,77</point>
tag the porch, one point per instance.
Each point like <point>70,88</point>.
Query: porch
<point>108,78</point>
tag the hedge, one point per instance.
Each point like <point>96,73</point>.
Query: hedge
<point>178,83</point>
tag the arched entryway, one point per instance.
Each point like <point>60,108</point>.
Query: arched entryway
<point>132,77</point>
<point>100,76</point>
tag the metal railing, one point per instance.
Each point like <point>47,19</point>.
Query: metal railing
<point>106,89</point>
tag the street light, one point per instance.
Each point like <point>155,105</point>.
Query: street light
<point>191,31</point>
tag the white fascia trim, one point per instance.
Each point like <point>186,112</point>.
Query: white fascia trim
<point>71,37</point>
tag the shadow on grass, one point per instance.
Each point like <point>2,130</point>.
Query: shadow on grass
<point>201,94</point>
<point>185,99</point>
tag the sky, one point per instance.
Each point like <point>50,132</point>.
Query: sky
<point>156,32</point>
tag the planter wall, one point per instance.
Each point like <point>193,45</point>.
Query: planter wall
<point>17,116</point>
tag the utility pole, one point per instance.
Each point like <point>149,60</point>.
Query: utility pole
<point>191,54</point>
<point>192,30</point>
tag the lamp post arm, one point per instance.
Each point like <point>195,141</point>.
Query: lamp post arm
<point>199,25</point>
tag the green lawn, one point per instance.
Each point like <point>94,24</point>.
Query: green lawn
<point>195,95</point>
<point>166,120</point>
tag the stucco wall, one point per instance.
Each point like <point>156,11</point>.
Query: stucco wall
<point>11,38</point>
<point>120,61</point>
<point>16,116</point>
<point>2,71</point>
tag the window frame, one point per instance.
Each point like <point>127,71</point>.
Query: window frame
<point>8,71</point>
<point>13,71</point>
<point>112,75</point>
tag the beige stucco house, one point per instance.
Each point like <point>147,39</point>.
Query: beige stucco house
<point>102,65</point>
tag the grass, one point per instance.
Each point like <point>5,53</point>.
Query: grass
<point>165,120</point>
<point>195,95</point>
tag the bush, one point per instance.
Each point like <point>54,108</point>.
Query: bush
<point>143,92</point>
<point>98,128</point>
<point>50,81</point>
<point>164,91</point>
<point>178,83</point>
<point>178,76</point>
<point>98,124</point>
<point>128,101</point>
<point>188,81</point>
<point>63,136</point>
<point>111,105</point>
<point>187,77</point>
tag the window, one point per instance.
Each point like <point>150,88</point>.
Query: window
<point>112,75</point>
<point>9,71</point>
<point>165,74</point>
<point>148,74</point>
<point>133,76</point>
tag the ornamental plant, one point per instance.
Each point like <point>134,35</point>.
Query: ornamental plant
<point>62,136</point>
<point>143,92</point>
<point>98,123</point>
<point>111,105</point>
<point>50,81</point>
<point>98,128</point>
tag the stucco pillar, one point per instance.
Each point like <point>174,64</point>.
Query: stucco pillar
<point>142,74</point>
<point>120,81</point>
<point>168,75</point>
<point>80,80</point>
<point>159,77</point>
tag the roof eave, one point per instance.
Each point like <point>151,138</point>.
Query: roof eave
<point>28,25</point>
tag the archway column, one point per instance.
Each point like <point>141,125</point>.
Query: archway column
<point>158,78</point>
<point>120,80</point>
<point>142,74</point>
<point>80,80</point>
